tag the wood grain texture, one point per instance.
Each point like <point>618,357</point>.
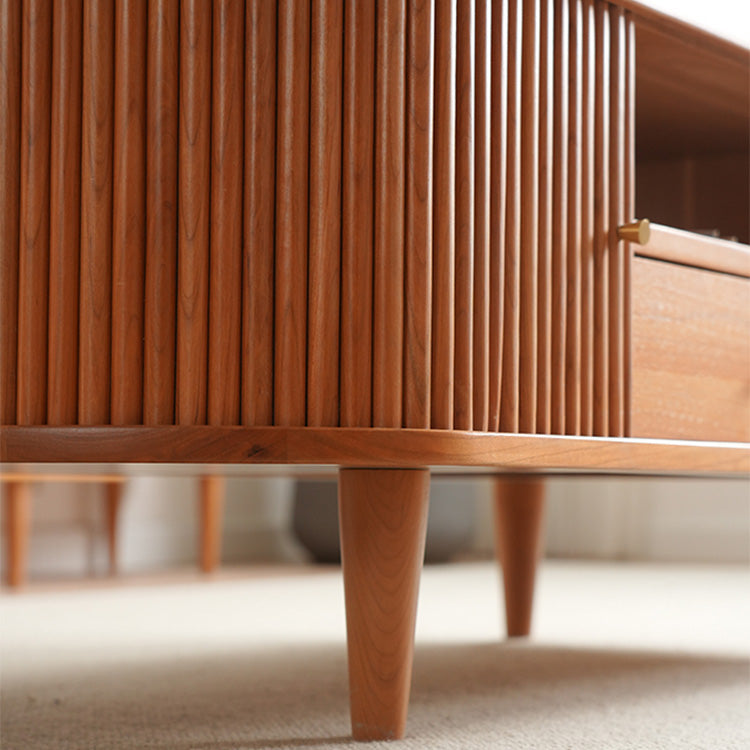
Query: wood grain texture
<point>690,249</point>
<point>33,261</point>
<point>212,493</point>
<point>259,206</point>
<point>691,353</point>
<point>290,332</point>
<point>367,447</point>
<point>388,268</point>
<point>463,379</point>
<point>482,212</point>
<point>161,222</point>
<point>357,214</point>
<point>17,523</point>
<point>560,215</point>
<point>194,191</point>
<point>418,189</point>
<point>601,222</point>
<point>587,220</point>
<point>227,156</point>
<point>573,265</point>
<point>444,232</point>
<point>629,213</point>
<point>529,313</point>
<point>10,187</point>
<point>382,521</point>
<point>323,291</point>
<point>129,212</point>
<point>616,218</point>
<point>544,263</point>
<point>519,522</point>
<point>65,215</point>
<point>512,270</point>
<point>498,192</point>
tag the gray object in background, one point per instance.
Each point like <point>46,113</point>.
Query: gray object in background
<point>450,525</point>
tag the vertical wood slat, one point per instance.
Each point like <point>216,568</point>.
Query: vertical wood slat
<point>560,216</point>
<point>161,227</point>
<point>498,190</point>
<point>194,191</point>
<point>573,275</point>
<point>260,179</point>
<point>418,196</point>
<point>357,215</point>
<point>546,142</point>
<point>629,209</point>
<point>33,262</point>
<point>291,213</point>
<point>10,177</point>
<point>617,217</point>
<point>65,217</point>
<point>388,274</point>
<point>529,249</point>
<point>128,211</point>
<point>482,135</point>
<point>464,224</point>
<point>512,276</point>
<point>601,222</point>
<point>444,236</point>
<point>96,214</point>
<point>587,222</point>
<point>325,213</point>
<point>225,257</point>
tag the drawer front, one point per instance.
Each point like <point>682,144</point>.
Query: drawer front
<point>691,353</point>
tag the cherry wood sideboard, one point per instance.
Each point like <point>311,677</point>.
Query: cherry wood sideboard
<point>382,236</point>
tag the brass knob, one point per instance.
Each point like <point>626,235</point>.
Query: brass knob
<point>636,231</point>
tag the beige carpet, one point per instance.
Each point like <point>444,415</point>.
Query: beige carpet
<point>624,656</point>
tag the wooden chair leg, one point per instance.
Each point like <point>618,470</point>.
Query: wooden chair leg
<point>113,500</point>
<point>519,513</point>
<point>211,515</point>
<point>17,523</point>
<point>382,522</point>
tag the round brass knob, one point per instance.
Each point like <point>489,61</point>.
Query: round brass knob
<point>636,231</point>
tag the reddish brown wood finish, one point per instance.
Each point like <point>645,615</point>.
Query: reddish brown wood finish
<point>529,248</point>
<point>17,522</point>
<point>519,516</point>
<point>498,191</point>
<point>512,269</point>
<point>260,191</point>
<point>212,489</point>
<point>573,270</point>
<point>325,211</point>
<point>10,184</point>
<point>388,270</point>
<point>420,76</point>
<point>33,262</point>
<point>629,214</point>
<point>194,189</point>
<point>382,521</point>
<point>559,215</point>
<point>161,221</point>
<point>444,233</point>
<point>225,276</point>
<point>463,380</point>
<point>357,214</point>
<point>290,337</point>
<point>113,503</point>
<point>129,212</point>
<point>65,215</point>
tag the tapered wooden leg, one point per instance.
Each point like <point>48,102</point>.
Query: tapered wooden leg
<point>114,496</point>
<point>17,522</point>
<point>519,515</point>
<point>382,522</point>
<point>212,511</point>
